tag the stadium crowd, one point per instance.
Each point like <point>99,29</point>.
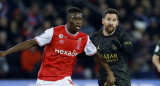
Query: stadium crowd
<point>24,19</point>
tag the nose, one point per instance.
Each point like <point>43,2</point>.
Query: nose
<point>78,22</point>
<point>110,22</point>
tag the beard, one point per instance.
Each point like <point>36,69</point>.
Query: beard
<point>109,29</point>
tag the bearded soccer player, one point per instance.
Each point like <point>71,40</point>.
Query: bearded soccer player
<point>114,44</point>
<point>155,58</point>
<point>62,44</point>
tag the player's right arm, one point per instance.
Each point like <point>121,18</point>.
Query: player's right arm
<point>19,47</point>
<point>91,50</point>
<point>40,40</point>
<point>155,58</point>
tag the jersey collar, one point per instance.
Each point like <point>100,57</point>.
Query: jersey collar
<point>69,32</point>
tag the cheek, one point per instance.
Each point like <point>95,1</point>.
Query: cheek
<point>115,24</point>
<point>72,23</point>
<point>105,23</point>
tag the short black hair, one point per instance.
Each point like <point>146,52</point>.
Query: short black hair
<point>111,11</point>
<point>73,10</point>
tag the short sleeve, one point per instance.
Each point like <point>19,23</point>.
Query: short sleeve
<point>45,37</point>
<point>90,49</point>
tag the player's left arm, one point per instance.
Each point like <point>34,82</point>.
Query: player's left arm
<point>127,45</point>
<point>124,44</point>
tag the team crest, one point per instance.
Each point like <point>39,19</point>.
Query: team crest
<point>60,36</point>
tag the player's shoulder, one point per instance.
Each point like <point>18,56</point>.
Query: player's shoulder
<point>82,34</point>
<point>96,33</point>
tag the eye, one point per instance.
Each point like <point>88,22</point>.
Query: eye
<point>114,20</point>
<point>108,19</point>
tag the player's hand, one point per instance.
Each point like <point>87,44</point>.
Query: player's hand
<point>110,79</point>
<point>2,54</point>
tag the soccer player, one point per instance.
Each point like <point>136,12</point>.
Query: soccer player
<point>155,58</point>
<point>62,44</point>
<point>114,44</point>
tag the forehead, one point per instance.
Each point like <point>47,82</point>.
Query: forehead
<point>108,15</point>
<point>76,14</point>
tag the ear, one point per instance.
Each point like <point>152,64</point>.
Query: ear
<point>102,20</point>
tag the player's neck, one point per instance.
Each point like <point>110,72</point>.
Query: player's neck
<point>105,33</point>
<point>69,30</point>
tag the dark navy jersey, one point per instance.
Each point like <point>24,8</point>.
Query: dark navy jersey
<point>114,57</point>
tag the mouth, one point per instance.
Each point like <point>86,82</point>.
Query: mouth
<point>78,27</point>
<point>110,26</point>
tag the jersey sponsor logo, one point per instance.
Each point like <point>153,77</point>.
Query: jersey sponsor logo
<point>64,52</point>
<point>111,57</point>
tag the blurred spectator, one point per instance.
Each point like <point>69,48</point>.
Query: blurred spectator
<point>139,15</point>
<point>18,18</point>
<point>146,6</point>
<point>50,13</point>
<point>87,73</point>
<point>86,28</point>
<point>122,15</point>
<point>4,68</point>
<point>29,59</point>
<point>47,24</point>
<point>118,4</point>
<point>78,72</point>
<point>153,28</point>
<point>58,21</point>
<point>30,33</point>
<point>4,23</point>
<point>3,8</point>
<point>131,5</point>
<point>35,17</point>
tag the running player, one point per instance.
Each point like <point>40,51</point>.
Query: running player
<point>114,44</point>
<point>62,44</point>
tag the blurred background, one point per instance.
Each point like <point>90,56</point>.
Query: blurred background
<point>21,20</point>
